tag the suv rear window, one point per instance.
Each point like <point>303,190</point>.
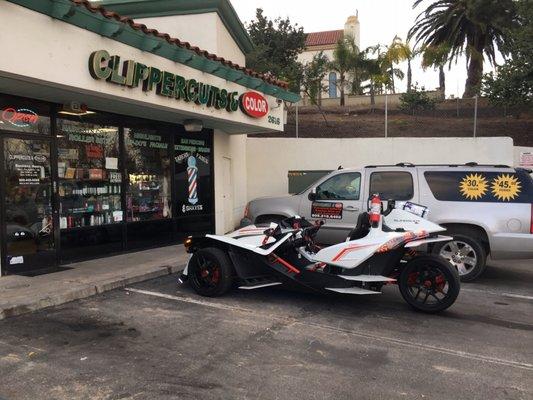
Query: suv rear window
<point>392,185</point>
<point>515,187</point>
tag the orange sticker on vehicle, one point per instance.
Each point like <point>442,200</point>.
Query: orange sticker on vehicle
<point>506,187</point>
<point>473,186</point>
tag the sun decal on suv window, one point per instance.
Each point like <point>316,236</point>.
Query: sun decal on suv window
<point>506,187</point>
<point>473,186</point>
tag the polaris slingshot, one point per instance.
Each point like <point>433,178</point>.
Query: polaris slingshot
<point>380,250</point>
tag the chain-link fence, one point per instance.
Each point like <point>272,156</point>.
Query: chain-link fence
<point>389,117</point>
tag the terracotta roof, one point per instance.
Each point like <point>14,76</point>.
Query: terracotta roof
<point>141,27</point>
<point>323,38</point>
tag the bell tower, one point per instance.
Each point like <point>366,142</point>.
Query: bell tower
<point>351,28</point>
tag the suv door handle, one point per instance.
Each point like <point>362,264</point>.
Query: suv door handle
<point>351,208</point>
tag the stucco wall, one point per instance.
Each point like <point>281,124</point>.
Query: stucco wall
<point>206,31</point>
<point>307,56</point>
<point>62,62</point>
<point>234,148</point>
<point>269,159</point>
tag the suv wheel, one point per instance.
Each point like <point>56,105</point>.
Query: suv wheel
<point>465,253</point>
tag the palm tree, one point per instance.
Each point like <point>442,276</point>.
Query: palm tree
<point>397,52</point>
<point>344,58</point>
<point>437,57</point>
<point>475,28</point>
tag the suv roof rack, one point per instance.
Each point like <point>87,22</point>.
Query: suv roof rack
<point>410,165</point>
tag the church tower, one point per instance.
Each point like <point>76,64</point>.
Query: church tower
<point>351,28</point>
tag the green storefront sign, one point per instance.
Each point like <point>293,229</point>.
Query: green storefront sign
<point>104,66</point>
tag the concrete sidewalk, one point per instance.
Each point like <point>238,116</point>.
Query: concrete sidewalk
<point>21,294</point>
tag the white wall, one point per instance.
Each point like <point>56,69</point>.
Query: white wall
<point>206,31</point>
<point>269,159</point>
<point>234,148</point>
<point>62,63</point>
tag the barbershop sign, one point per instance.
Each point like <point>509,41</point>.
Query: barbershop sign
<point>103,66</point>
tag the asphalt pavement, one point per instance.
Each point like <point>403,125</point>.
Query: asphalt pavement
<point>154,340</point>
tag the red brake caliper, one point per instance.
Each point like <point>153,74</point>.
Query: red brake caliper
<point>440,281</point>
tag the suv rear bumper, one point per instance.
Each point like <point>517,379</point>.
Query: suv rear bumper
<point>511,246</point>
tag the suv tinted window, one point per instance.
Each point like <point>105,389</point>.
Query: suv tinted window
<point>516,187</point>
<point>340,187</point>
<point>392,185</point>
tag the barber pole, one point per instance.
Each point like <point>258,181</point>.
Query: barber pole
<point>192,177</point>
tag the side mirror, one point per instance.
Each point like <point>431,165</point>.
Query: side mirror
<point>312,194</point>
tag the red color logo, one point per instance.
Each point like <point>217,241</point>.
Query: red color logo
<point>21,118</point>
<point>253,104</point>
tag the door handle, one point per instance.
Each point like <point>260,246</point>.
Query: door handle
<point>351,208</point>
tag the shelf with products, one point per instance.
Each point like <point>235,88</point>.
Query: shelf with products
<point>147,197</point>
<point>89,203</point>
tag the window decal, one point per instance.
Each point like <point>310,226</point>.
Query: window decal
<point>473,186</point>
<point>506,187</point>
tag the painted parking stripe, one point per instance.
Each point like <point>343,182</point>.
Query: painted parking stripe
<point>399,342</point>
<point>512,295</point>
<point>517,296</point>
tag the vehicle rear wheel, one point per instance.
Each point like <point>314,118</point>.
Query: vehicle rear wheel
<point>465,253</point>
<point>210,272</point>
<point>429,284</point>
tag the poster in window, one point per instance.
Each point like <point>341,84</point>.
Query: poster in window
<point>193,176</point>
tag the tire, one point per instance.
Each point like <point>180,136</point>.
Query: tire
<point>466,253</point>
<point>429,284</point>
<point>211,272</point>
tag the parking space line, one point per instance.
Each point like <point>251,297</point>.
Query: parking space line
<point>400,342</point>
<point>517,296</point>
<point>491,292</point>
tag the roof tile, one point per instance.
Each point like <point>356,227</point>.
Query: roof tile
<point>323,38</point>
<point>125,20</point>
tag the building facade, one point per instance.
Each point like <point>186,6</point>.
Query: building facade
<point>325,42</point>
<point>118,133</point>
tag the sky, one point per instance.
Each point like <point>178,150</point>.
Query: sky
<point>380,21</point>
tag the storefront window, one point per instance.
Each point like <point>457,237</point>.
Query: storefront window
<point>148,169</point>
<point>194,186</point>
<point>89,175</point>
<point>24,115</point>
<point>28,207</point>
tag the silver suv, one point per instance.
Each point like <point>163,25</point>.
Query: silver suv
<point>487,209</point>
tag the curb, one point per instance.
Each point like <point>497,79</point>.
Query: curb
<point>85,291</point>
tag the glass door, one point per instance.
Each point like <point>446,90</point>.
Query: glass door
<point>27,218</point>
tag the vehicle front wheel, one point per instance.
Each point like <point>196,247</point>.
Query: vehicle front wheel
<point>210,272</point>
<point>429,284</point>
<point>465,253</point>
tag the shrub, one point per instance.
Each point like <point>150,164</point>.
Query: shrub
<point>416,100</point>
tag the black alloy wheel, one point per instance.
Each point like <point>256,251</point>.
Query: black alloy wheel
<point>429,284</point>
<point>210,272</point>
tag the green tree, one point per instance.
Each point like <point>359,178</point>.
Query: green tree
<point>416,100</point>
<point>312,82</point>
<point>344,61</point>
<point>277,45</point>
<point>475,28</point>
<point>397,52</point>
<point>437,57</point>
<point>511,86</point>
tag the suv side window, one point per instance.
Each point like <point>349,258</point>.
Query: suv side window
<point>345,186</point>
<point>486,186</point>
<point>392,185</point>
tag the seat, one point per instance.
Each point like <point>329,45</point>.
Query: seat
<point>362,227</point>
